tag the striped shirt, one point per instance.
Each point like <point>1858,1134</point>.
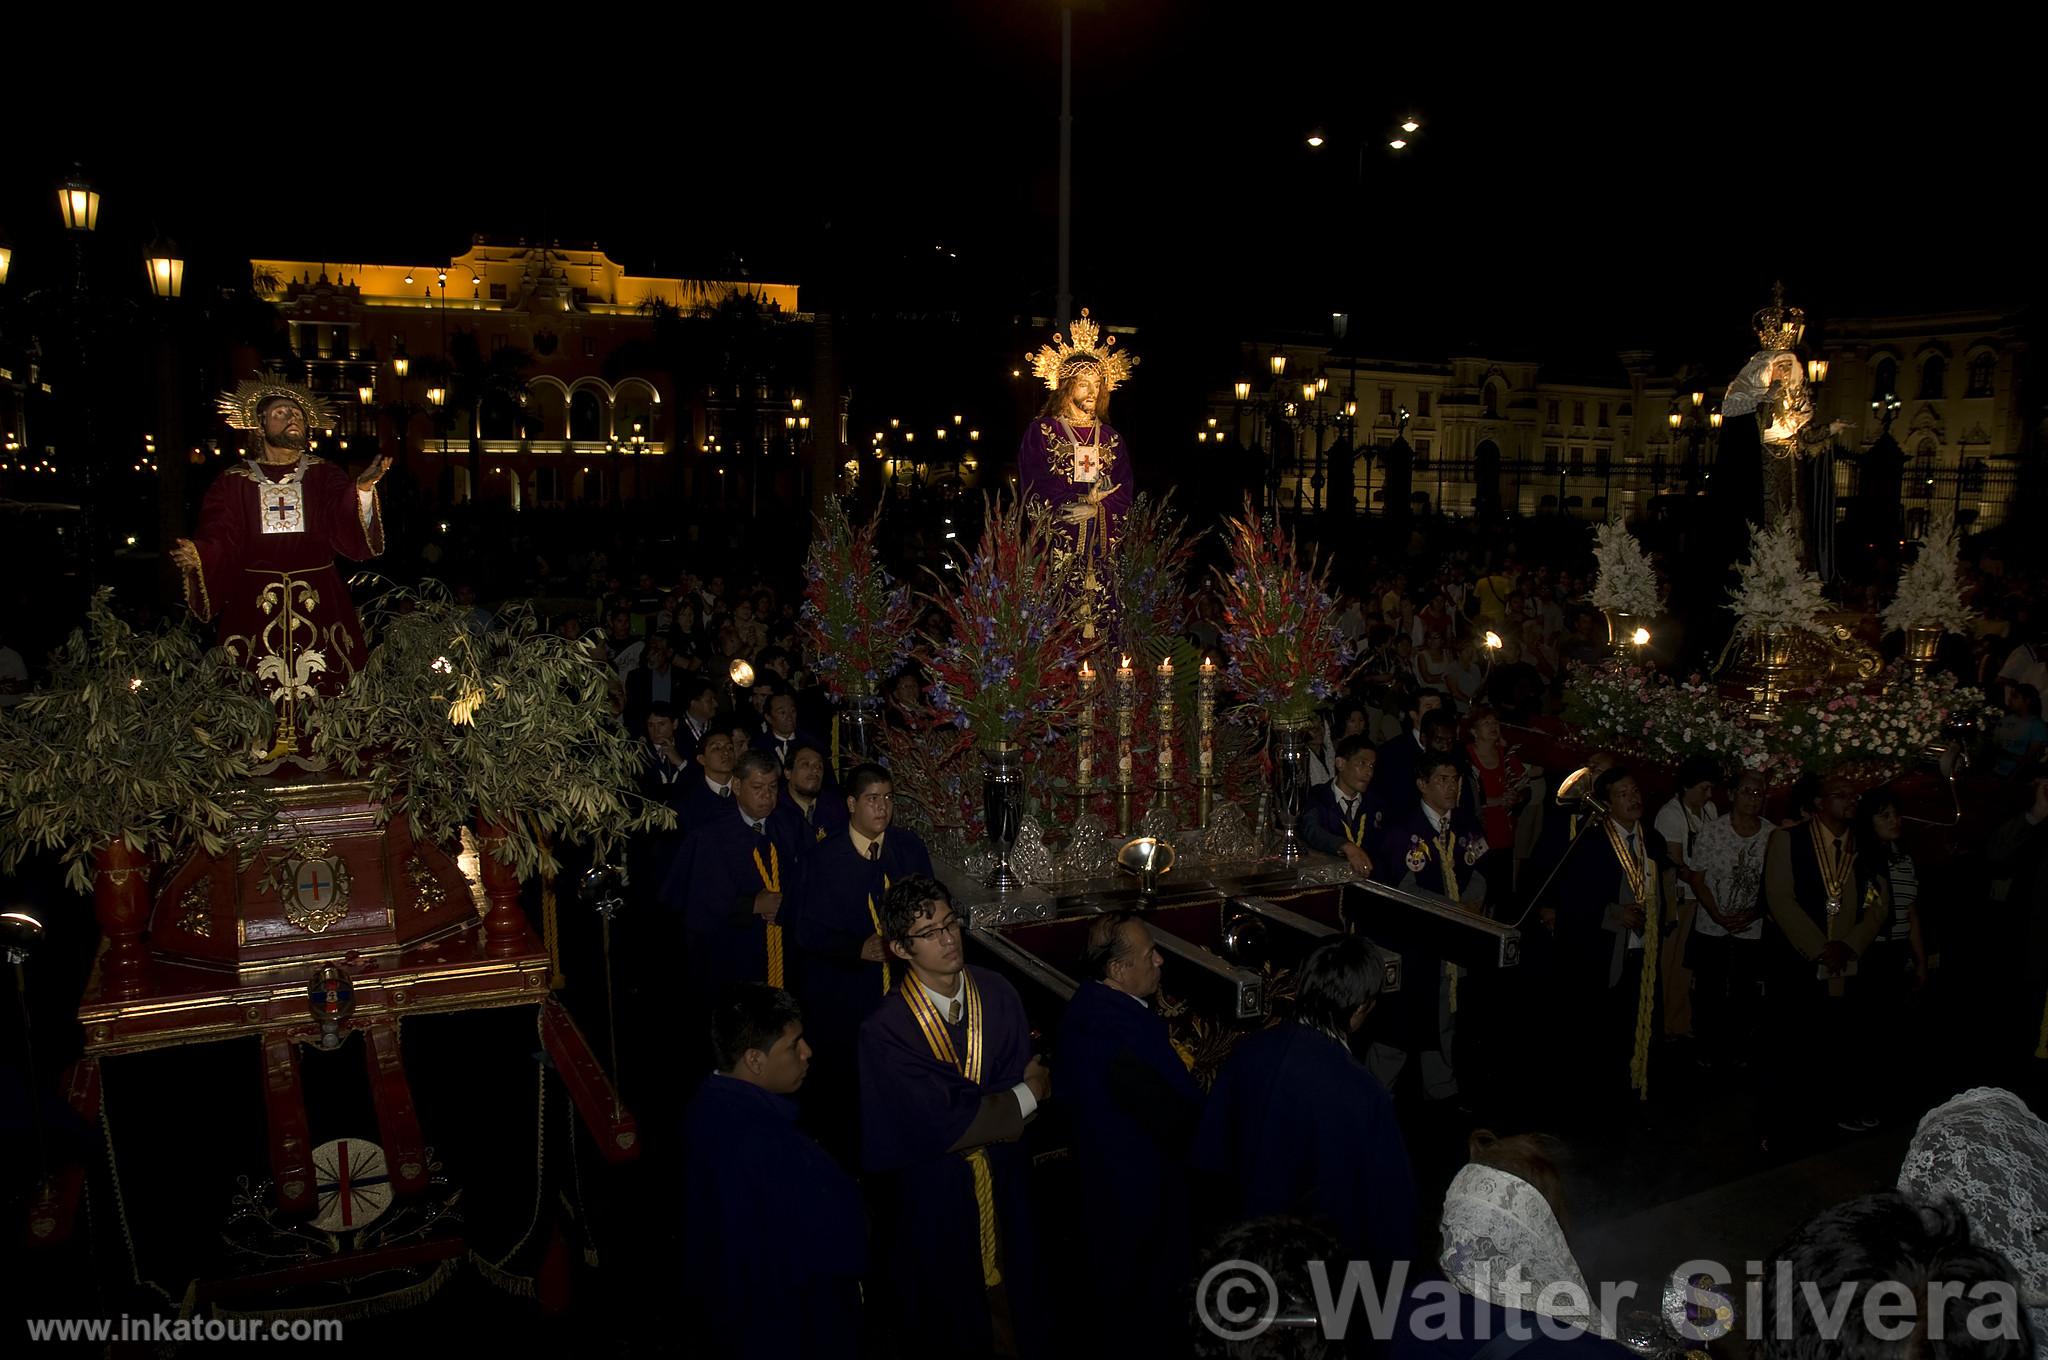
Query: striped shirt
<point>1905,892</point>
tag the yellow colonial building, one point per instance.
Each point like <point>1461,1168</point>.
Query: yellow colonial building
<point>528,374</point>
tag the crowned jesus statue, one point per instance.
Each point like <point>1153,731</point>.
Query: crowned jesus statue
<point>262,559</point>
<point>1076,465</point>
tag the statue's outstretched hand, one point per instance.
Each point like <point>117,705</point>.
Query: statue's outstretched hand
<point>185,554</point>
<point>1078,512</point>
<point>377,468</point>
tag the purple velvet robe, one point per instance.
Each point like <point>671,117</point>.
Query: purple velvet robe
<point>913,1107</point>
<point>1054,461</point>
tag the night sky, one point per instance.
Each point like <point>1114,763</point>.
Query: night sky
<point>1575,190</point>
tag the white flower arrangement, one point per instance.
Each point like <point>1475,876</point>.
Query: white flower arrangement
<point>1627,584</point>
<point>1776,590</point>
<point>1929,595</point>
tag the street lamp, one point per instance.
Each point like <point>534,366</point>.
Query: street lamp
<point>437,396</point>
<point>166,270</point>
<point>1241,390</point>
<point>1279,364</point>
<point>366,394</point>
<point>1308,392</point>
<point>1816,371</point>
<point>6,258</point>
<point>80,204</point>
<point>400,364</point>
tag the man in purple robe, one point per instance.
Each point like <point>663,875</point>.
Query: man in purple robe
<point>947,1082</point>
<point>776,1238</point>
<point>1134,1109</point>
<point>1074,463</point>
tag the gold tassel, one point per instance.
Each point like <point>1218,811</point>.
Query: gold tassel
<point>985,1211</point>
<point>1639,1061</point>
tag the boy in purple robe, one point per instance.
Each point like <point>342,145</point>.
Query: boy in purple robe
<point>1072,461</point>
<point>775,1236</point>
<point>846,967</point>
<point>947,1082</point>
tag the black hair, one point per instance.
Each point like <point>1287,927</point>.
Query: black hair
<point>1430,762</point>
<point>1105,943</point>
<point>750,1015</point>
<point>1806,791</point>
<point>1285,1251</point>
<point>693,689</point>
<point>1698,768</point>
<point>1352,745</point>
<point>815,749</point>
<point>1890,1239</point>
<point>1437,719</point>
<point>865,776</point>
<point>1870,851</point>
<point>913,899</point>
<point>1336,979</point>
<point>1608,778</point>
<point>661,708</point>
<point>753,762</point>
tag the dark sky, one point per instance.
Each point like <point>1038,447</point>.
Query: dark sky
<point>1577,187</point>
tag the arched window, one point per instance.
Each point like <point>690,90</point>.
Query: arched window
<point>1982,370</point>
<point>1933,378</point>
<point>1489,402</point>
<point>1886,383</point>
<point>586,415</point>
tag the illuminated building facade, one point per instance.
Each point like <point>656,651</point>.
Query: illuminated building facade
<point>535,375</point>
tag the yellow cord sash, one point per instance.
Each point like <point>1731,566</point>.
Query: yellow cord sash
<point>876,917</point>
<point>771,879</point>
<point>940,1041</point>
<point>1642,881</point>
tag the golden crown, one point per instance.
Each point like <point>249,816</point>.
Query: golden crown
<point>1778,326</point>
<point>1055,362</point>
<point>239,407</point>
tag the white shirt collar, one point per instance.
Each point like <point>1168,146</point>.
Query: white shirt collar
<point>943,1003</point>
<point>1436,823</point>
<point>716,787</point>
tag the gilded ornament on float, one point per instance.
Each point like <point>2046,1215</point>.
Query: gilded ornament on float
<point>239,407</point>
<point>313,884</point>
<point>193,915</point>
<point>427,893</point>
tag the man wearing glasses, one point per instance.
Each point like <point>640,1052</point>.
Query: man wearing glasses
<point>947,1082</point>
<point>837,914</point>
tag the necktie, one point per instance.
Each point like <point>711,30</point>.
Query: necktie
<point>725,792</point>
<point>1350,808</point>
<point>874,849</point>
<point>761,830</point>
<point>953,1013</point>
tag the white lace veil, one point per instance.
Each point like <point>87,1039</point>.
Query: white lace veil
<point>1989,1153</point>
<point>1502,1244</point>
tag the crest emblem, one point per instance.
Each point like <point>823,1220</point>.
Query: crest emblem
<point>313,884</point>
<point>355,1186</point>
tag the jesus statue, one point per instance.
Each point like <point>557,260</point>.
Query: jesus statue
<point>262,559</point>
<point>1072,461</point>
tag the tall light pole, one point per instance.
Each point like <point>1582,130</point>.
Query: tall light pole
<point>1063,297</point>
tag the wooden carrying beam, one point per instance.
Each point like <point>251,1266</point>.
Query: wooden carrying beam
<point>291,1146</point>
<point>398,1125</point>
<point>597,1100</point>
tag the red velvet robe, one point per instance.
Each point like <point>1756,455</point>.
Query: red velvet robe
<point>283,608</point>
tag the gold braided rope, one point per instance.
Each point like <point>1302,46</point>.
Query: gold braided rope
<point>1642,880</point>
<point>941,1043</point>
<point>771,879</point>
<point>876,917</point>
<point>551,930</point>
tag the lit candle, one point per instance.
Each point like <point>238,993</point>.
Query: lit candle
<point>1205,720</point>
<point>1084,764</point>
<point>1126,706</point>
<point>1166,721</point>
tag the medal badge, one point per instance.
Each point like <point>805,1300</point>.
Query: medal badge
<point>284,508</point>
<point>1418,855</point>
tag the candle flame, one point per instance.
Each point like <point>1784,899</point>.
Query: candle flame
<point>1127,664</point>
